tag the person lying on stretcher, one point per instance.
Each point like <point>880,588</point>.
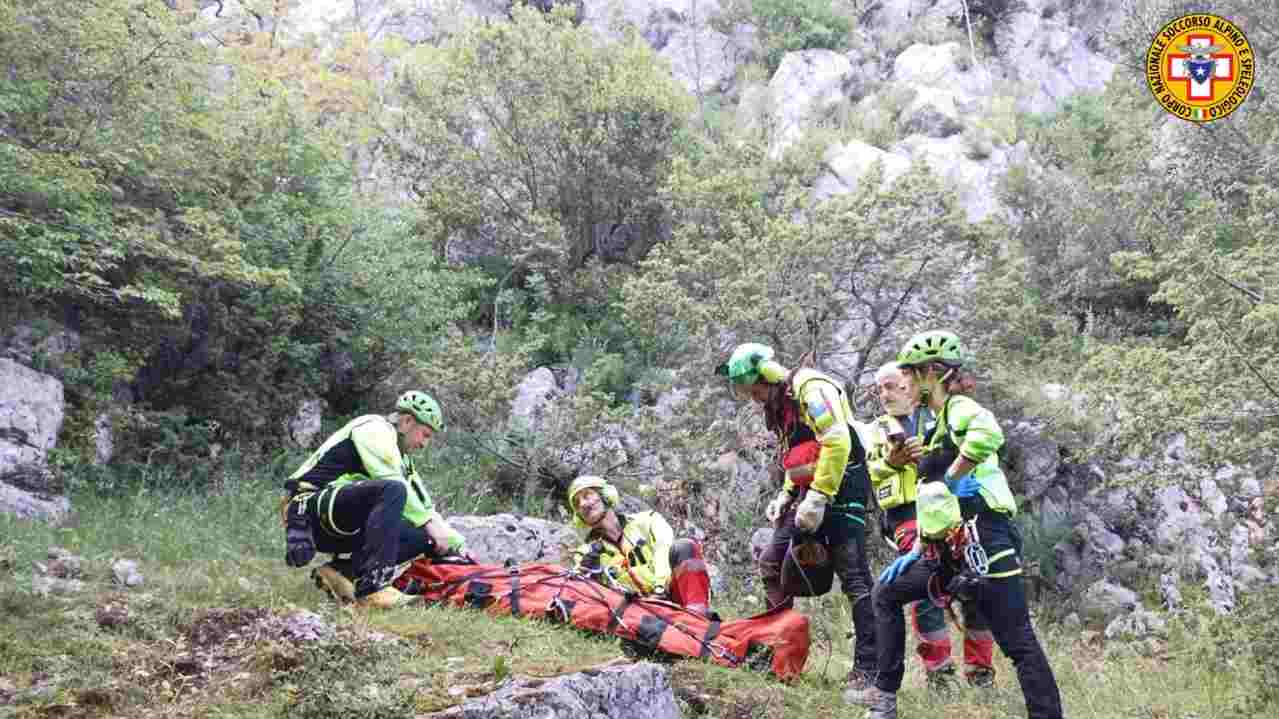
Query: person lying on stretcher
<point>637,551</point>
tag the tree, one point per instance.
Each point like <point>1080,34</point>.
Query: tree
<point>185,195</point>
<point>740,266</point>
<point>538,134</point>
<point>1140,268</point>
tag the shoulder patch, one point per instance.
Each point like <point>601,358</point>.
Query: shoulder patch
<point>820,411</point>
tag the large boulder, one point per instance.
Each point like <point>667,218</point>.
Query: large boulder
<point>946,66</point>
<point>1033,456</point>
<point>50,348</point>
<point>846,164</point>
<point>306,423</point>
<point>974,175</point>
<point>28,492</point>
<point>1104,601</point>
<point>31,411</point>
<point>807,86</point>
<point>702,58</point>
<point>1050,59</point>
<point>497,538</point>
<point>625,691</point>
<point>932,112</point>
<point>534,393</point>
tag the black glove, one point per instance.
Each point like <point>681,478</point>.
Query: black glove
<point>965,585</point>
<point>591,561</point>
<point>297,536</point>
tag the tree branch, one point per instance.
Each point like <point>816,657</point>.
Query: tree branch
<point>1235,345</point>
<point>1253,295</point>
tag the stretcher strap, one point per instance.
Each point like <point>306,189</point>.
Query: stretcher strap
<point>712,631</point>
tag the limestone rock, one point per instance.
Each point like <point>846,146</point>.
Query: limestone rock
<point>1050,58</point>
<point>531,398</point>
<point>26,503</point>
<point>1138,625</point>
<point>1033,456</point>
<point>31,411</point>
<point>846,165</point>
<point>949,158</point>
<point>306,423</point>
<point>125,573</point>
<point>497,538</point>
<point>626,691</point>
<point>932,112</point>
<point>1104,601</point>
<point>807,85</point>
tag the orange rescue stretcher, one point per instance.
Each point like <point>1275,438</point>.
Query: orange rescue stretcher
<point>554,593</point>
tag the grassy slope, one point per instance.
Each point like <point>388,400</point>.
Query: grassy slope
<point>177,656</point>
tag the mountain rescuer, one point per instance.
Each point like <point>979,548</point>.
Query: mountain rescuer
<point>359,494</point>
<point>967,545</point>
<point>636,552</point>
<point>892,461</point>
<point>827,500</point>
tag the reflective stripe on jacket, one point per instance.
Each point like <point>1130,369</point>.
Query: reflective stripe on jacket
<point>966,428</point>
<point>376,456</point>
<point>642,560</point>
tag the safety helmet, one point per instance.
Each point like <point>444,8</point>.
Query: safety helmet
<point>743,366</point>
<point>937,510</point>
<point>423,408</point>
<point>932,346</point>
<point>608,493</point>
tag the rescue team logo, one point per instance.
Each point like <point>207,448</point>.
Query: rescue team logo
<point>1200,67</point>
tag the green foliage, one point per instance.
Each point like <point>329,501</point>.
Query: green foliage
<point>539,132</point>
<point>196,204</point>
<point>747,263</point>
<point>338,680</point>
<point>791,25</point>
<point>1138,264</point>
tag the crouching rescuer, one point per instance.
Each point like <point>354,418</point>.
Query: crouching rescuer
<point>635,552</point>
<point>359,494</point>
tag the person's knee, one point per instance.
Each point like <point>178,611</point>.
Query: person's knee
<point>394,491</point>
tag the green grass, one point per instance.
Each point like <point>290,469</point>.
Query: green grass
<point>210,561</point>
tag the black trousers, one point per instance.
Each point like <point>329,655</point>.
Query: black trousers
<point>365,519</point>
<point>849,559</point>
<point>1002,602</point>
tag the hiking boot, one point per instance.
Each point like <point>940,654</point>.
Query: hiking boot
<point>329,578</point>
<point>943,680</point>
<point>385,598</point>
<point>857,681</point>
<point>981,677</point>
<point>882,704</point>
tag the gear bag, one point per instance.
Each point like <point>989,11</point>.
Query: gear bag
<point>807,570</point>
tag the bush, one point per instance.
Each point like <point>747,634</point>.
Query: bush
<point>790,25</point>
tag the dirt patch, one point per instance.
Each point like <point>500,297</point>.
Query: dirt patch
<point>218,626</point>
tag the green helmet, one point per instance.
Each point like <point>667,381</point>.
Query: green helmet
<point>742,366</point>
<point>587,481</point>
<point>423,408</point>
<point>932,346</point>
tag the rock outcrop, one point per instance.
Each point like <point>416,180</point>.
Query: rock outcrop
<point>627,691</point>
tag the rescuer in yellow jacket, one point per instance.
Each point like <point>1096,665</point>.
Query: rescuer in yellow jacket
<point>806,406</point>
